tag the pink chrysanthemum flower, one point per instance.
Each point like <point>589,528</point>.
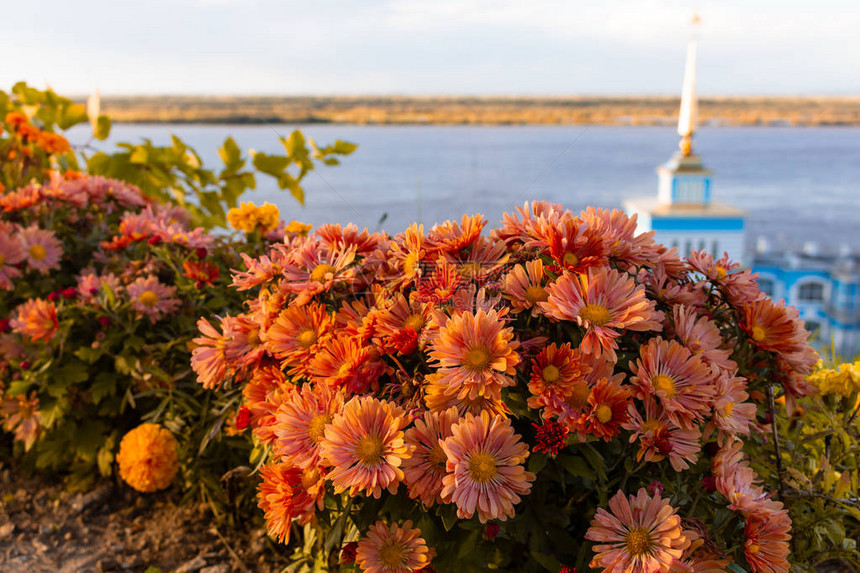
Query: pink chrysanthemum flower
<point>261,270</point>
<point>151,298</point>
<point>733,415</point>
<point>36,319</point>
<point>660,438</point>
<point>516,226</point>
<point>90,285</point>
<point>244,348</point>
<point>365,447</point>
<point>313,269</point>
<point>639,534</point>
<point>524,287</point>
<point>701,336</point>
<point>392,548</point>
<point>570,241</point>
<point>766,547</point>
<point>347,363</point>
<point>301,421</point>
<point>12,252</point>
<point>43,249</point>
<point>604,302</point>
<point>476,355</point>
<point>425,469</point>
<point>682,382</point>
<point>774,327</point>
<point>485,468</point>
<point>208,359</point>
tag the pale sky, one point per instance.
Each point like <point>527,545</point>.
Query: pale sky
<point>449,47</point>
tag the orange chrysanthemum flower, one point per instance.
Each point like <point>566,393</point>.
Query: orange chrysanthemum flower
<point>365,447</point>
<point>573,244</point>
<point>438,400</point>
<point>423,472</point>
<point>148,458</point>
<point>287,493</point>
<point>555,372</point>
<point>451,237</point>
<point>774,327</point>
<point>766,547</point>
<point>301,421</point>
<point>297,335</point>
<point>485,468</point>
<point>682,382</point>
<point>347,363</point>
<point>604,302</point>
<point>36,319</point>
<point>12,252</point>
<point>639,534</point>
<point>476,354</point>
<point>607,409</point>
<point>392,549</point>
<point>660,438</point>
<point>525,288</point>
<point>208,358</point>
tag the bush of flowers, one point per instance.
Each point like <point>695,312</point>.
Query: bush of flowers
<point>559,394</point>
<point>101,285</point>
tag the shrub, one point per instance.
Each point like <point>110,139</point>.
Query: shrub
<point>561,393</point>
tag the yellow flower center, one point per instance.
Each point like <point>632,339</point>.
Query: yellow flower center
<point>148,298</point>
<point>369,450</point>
<point>320,271</point>
<point>728,408</point>
<point>580,395</point>
<point>603,413</point>
<point>391,555</point>
<point>666,384</point>
<point>570,259</point>
<point>2,260</point>
<point>437,457</point>
<point>316,429</point>
<point>415,322</point>
<point>536,293</point>
<point>477,359</point>
<point>306,338</point>
<point>721,272</point>
<point>596,314</point>
<point>550,373</point>
<point>758,333</point>
<point>482,467</point>
<point>638,541</point>
<point>753,548</point>
<point>38,252</point>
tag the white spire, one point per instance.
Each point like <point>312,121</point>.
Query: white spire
<point>689,116</point>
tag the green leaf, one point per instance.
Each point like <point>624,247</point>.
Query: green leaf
<point>271,164</point>
<point>231,155</point>
<point>102,128</point>
<point>104,385</point>
<point>19,387</point>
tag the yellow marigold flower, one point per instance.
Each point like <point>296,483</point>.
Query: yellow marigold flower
<point>845,380</point>
<point>268,217</point>
<point>147,458</point>
<point>244,217</point>
<point>299,228</point>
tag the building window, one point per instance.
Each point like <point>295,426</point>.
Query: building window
<point>766,286</point>
<point>811,292</point>
<point>688,247</point>
<point>813,327</point>
<point>702,245</point>
<point>715,249</point>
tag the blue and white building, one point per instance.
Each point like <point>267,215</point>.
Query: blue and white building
<point>824,287</point>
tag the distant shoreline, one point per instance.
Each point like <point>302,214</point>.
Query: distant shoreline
<point>370,110</point>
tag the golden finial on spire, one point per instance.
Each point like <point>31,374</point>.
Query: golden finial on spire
<point>689,114</point>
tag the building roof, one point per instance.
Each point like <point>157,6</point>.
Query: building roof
<point>653,206</point>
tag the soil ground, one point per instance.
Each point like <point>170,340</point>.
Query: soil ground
<point>43,528</point>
